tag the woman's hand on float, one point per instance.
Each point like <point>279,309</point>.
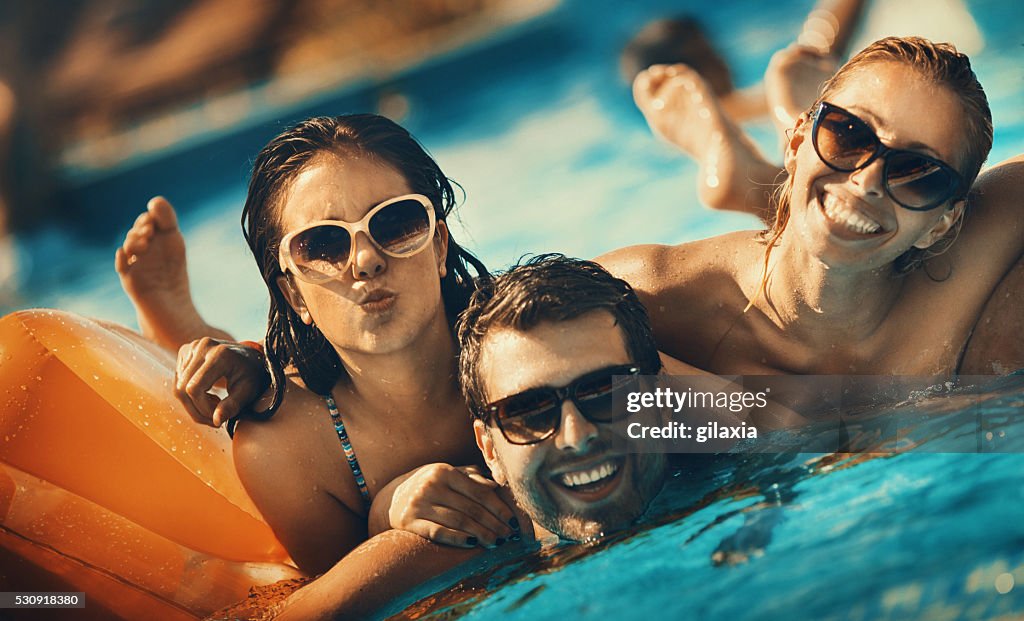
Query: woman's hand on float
<point>203,363</point>
<point>456,506</point>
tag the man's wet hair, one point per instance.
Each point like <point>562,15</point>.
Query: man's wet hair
<point>549,287</point>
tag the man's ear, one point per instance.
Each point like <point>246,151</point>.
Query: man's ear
<point>948,220</point>
<point>441,247</point>
<point>485,443</point>
<point>291,293</point>
<point>796,138</point>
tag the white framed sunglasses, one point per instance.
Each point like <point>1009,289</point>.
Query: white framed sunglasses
<point>319,251</point>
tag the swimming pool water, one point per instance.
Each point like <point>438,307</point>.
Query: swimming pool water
<point>915,534</point>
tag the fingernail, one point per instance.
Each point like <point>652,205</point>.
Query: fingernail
<point>499,541</point>
<point>472,541</point>
<point>514,523</point>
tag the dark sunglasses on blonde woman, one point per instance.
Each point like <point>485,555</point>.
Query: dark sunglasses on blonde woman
<point>915,181</point>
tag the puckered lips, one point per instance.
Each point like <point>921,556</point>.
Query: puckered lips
<point>378,301</point>
<point>847,220</point>
<point>592,480</point>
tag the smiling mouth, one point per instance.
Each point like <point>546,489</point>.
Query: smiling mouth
<point>844,217</point>
<point>593,481</point>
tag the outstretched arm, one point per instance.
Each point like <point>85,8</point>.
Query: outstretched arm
<point>796,74</point>
<point>372,575</point>
<point>830,26</point>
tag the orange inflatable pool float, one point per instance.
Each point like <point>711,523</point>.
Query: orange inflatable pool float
<point>107,486</point>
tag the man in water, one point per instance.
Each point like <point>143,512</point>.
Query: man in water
<point>539,425</point>
<point>578,327</point>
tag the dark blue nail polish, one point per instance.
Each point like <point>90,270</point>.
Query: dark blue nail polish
<point>499,541</point>
<point>472,541</point>
<point>514,523</point>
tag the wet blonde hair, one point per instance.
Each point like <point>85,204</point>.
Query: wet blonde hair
<point>940,63</point>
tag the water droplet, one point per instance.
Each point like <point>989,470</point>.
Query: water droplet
<point>1004,583</point>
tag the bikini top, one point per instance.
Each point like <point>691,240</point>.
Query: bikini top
<point>350,454</point>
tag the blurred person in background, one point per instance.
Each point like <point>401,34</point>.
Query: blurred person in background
<point>685,90</point>
<point>684,87</point>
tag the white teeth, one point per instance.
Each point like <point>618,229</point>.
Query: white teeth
<point>843,214</point>
<point>598,473</point>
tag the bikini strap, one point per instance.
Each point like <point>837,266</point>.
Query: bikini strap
<point>346,446</point>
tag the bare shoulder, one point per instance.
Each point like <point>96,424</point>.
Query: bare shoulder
<point>995,208</point>
<point>691,291</point>
<point>279,464</point>
<point>272,456</point>
<point>637,265</point>
<point>265,444</point>
<point>652,269</point>
<point>991,239</point>
<point>1001,178</point>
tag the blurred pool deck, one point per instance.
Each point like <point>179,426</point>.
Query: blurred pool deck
<point>297,85</point>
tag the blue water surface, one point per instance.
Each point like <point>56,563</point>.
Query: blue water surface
<point>920,532</point>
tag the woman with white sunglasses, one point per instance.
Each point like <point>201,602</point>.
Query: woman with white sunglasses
<point>346,219</point>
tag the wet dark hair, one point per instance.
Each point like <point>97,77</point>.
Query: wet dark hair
<point>676,40</point>
<point>549,287</point>
<point>290,341</point>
